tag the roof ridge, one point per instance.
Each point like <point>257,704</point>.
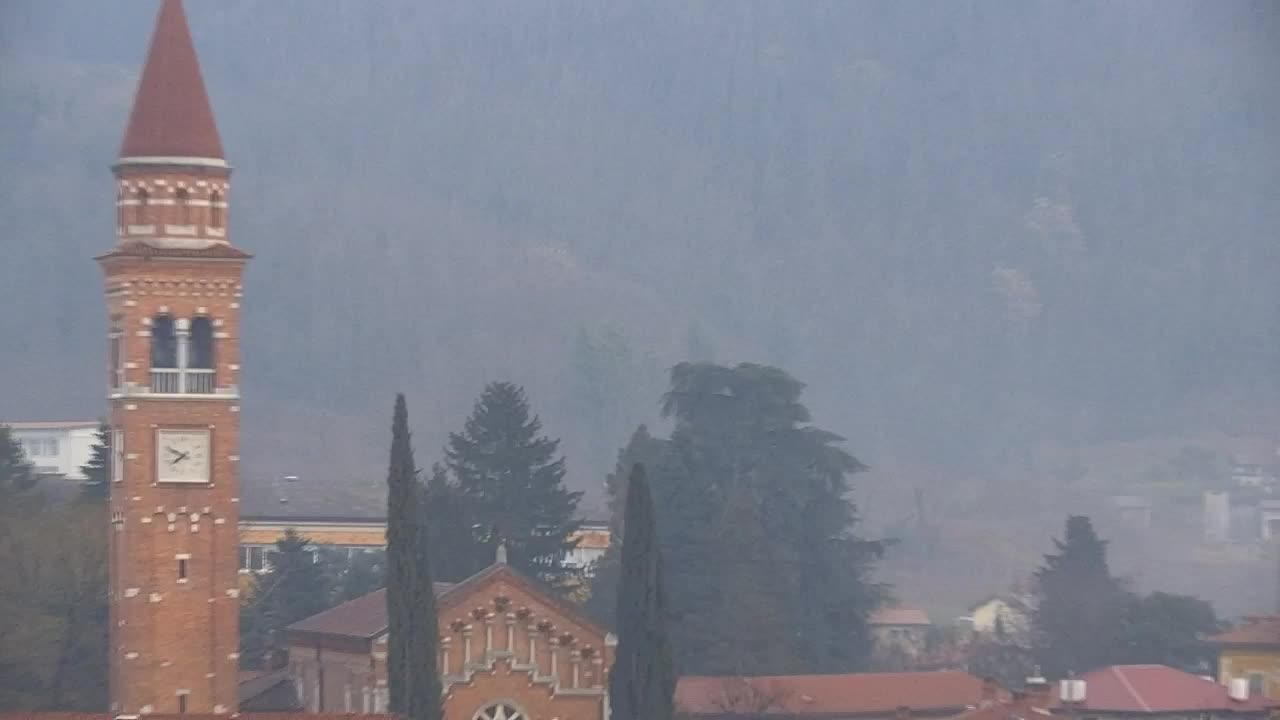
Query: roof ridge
<point>1129,687</point>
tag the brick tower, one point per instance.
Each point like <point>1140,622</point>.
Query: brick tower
<point>173,300</point>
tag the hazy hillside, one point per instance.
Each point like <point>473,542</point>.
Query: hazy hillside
<point>971,227</point>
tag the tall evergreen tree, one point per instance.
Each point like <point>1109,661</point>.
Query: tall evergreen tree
<point>1080,617</point>
<point>402,545</point>
<point>742,436</point>
<point>16,473</point>
<point>97,472</point>
<point>412,630</point>
<point>454,553</point>
<point>510,484</point>
<point>295,587</point>
<point>646,450</point>
<point>643,680</point>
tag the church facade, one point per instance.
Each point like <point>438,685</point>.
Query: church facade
<point>510,649</point>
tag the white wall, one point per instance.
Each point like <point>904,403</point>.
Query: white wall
<point>53,448</point>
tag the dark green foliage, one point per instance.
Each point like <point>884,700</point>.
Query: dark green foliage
<point>16,473</point>
<point>643,679</point>
<point>510,486</point>
<point>354,574</point>
<point>294,588</point>
<point>752,500</point>
<point>97,472</point>
<point>646,450</point>
<point>402,546</point>
<point>454,553</point>
<point>53,606</point>
<point>411,612</point>
<point>1169,630</point>
<point>1080,615</point>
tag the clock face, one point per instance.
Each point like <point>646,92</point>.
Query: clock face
<point>182,456</point>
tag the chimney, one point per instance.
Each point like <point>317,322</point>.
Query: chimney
<point>1039,692</point>
<point>1238,689</point>
<point>989,692</point>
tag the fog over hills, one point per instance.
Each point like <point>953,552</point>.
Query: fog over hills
<point>984,233</point>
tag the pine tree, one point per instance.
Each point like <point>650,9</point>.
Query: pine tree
<point>741,436</point>
<point>295,587</point>
<point>1079,619</point>
<point>643,679</point>
<point>97,472</point>
<point>454,553</point>
<point>402,546</point>
<point>510,483</point>
<point>16,473</point>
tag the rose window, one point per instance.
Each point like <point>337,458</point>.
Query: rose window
<point>500,711</point>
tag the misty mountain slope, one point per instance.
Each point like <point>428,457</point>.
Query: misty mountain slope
<point>971,227</point>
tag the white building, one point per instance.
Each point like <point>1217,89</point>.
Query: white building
<point>56,448</point>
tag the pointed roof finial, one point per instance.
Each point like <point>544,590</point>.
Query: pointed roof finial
<point>500,557</point>
<point>171,114</point>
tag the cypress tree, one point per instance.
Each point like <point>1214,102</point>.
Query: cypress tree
<point>402,545</point>
<point>642,682</point>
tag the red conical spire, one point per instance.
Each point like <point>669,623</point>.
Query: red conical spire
<point>171,114</point>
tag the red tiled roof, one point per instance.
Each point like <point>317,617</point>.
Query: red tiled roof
<point>364,617</point>
<point>171,113</point>
<point>33,715</point>
<point>942,692</point>
<point>1159,689</point>
<point>1264,630</point>
<point>898,616</point>
<point>137,248</point>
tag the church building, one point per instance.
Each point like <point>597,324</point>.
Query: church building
<point>510,649</point>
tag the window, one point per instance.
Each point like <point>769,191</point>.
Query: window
<point>182,702</point>
<point>120,208</point>
<point>182,568</point>
<point>164,343</point>
<point>140,210</point>
<point>215,209</point>
<point>116,380</point>
<point>201,344</point>
<point>183,199</point>
<point>500,711</point>
<point>117,456</point>
<point>51,446</point>
<point>1255,684</point>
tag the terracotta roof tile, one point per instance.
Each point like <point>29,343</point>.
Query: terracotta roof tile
<point>898,616</point>
<point>171,114</point>
<point>1159,689</point>
<point>363,617</point>
<point>1264,630</point>
<point>943,692</point>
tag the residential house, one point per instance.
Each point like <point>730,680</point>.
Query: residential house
<point>864,696</point>
<point>1159,692</point>
<point>1251,652</point>
<point>1008,614</point>
<point>899,631</point>
<point>57,448</point>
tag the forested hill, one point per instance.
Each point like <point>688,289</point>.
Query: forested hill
<point>970,227</point>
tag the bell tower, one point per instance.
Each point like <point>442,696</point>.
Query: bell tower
<point>173,292</point>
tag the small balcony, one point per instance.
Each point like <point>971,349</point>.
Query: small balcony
<point>175,381</point>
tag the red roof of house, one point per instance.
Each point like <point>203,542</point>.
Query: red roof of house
<point>1264,630</point>
<point>898,616</point>
<point>171,114</point>
<point>943,692</point>
<point>1159,689</point>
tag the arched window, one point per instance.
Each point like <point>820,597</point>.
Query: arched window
<point>184,206</point>
<point>120,219</point>
<point>140,210</point>
<point>500,711</point>
<point>201,357</point>
<point>164,343</point>
<point>215,209</point>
